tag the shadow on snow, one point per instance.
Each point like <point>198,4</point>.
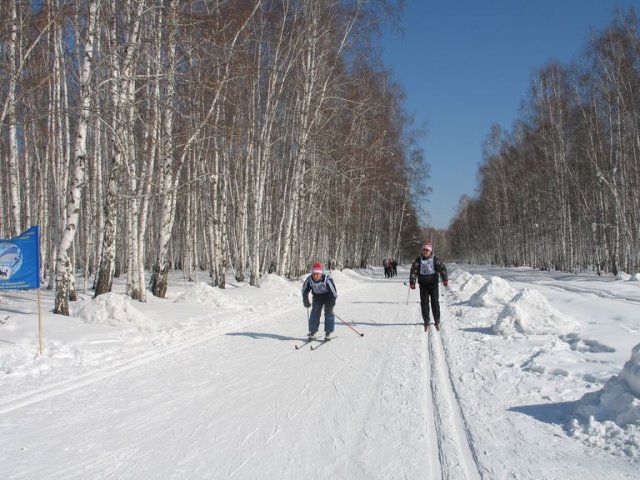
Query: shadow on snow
<point>555,413</point>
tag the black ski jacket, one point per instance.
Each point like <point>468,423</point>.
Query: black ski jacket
<point>426,273</point>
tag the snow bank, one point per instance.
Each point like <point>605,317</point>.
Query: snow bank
<point>623,276</point>
<point>112,309</point>
<point>631,371</point>
<point>204,294</point>
<point>610,417</point>
<point>459,279</point>
<point>346,279</point>
<point>454,271</point>
<point>282,285</point>
<point>473,284</point>
<point>21,361</point>
<point>493,293</point>
<point>530,313</point>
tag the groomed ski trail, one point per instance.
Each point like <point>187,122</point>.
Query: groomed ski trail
<point>240,401</point>
<point>450,439</point>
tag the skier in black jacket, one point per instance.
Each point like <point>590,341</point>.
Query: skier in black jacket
<point>425,270</point>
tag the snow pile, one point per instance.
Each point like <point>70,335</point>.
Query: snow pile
<point>287,287</point>
<point>531,314</point>
<point>610,417</point>
<point>457,280</point>
<point>203,294</point>
<point>113,309</point>
<point>493,293</point>
<point>21,361</point>
<point>473,284</point>
<point>454,271</point>
<point>17,360</point>
<point>346,279</point>
<point>636,277</point>
<point>623,276</point>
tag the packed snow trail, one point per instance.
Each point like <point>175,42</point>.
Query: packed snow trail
<point>455,452</point>
<point>180,410</point>
<point>240,402</point>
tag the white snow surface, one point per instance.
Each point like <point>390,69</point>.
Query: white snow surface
<point>493,293</point>
<point>533,375</point>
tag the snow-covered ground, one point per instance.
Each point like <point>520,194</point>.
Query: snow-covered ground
<point>534,375</point>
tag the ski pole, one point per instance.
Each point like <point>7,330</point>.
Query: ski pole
<point>345,323</point>
<point>408,292</point>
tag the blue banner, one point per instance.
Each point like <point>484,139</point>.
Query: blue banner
<point>20,261</point>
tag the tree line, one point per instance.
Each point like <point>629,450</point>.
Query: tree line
<point>237,137</point>
<point>561,189</point>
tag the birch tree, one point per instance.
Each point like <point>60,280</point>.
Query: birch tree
<point>64,262</point>
<point>12,160</point>
<point>199,118</point>
<point>171,178</point>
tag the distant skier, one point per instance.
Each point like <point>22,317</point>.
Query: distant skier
<point>324,295</point>
<point>425,270</point>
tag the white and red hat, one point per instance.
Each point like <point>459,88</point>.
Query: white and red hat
<point>427,246</point>
<point>317,268</point>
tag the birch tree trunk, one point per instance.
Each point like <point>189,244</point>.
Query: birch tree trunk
<point>64,263</point>
<point>135,274</point>
<point>153,151</point>
<point>105,271</point>
<point>159,278</point>
<point>12,160</point>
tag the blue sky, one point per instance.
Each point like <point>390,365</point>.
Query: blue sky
<point>467,64</point>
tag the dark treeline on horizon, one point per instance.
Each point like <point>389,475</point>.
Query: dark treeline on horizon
<point>561,189</point>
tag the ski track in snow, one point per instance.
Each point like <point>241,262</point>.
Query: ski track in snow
<point>452,440</point>
<point>449,454</point>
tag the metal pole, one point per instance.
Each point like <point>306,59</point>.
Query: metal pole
<point>345,323</point>
<point>40,327</point>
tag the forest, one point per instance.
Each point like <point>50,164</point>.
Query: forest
<point>561,189</point>
<point>242,138</point>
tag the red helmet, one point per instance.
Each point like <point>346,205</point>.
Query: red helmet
<point>317,268</point>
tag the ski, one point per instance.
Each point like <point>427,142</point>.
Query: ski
<point>322,342</point>
<point>306,342</point>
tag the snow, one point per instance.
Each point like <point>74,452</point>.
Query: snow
<point>532,375</point>
<point>530,313</point>
<point>495,292</point>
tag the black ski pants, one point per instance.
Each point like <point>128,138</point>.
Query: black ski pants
<point>429,294</point>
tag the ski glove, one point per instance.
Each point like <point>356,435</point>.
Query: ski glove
<point>445,283</point>
<point>412,284</point>
<point>306,302</point>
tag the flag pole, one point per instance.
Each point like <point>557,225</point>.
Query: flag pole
<point>40,327</point>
